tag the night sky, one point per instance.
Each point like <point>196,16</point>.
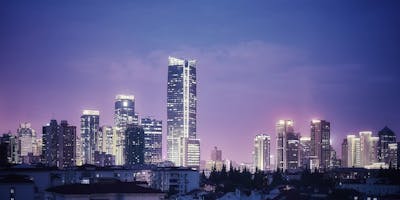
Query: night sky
<point>258,62</point>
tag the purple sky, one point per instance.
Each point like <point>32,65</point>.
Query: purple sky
<point>257,62</point>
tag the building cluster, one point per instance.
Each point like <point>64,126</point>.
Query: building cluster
<point>131,140</point>
<point>294,152</point>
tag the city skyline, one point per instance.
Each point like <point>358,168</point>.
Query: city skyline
<point>241,75</point>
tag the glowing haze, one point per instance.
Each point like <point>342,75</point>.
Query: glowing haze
<point>258,62</point>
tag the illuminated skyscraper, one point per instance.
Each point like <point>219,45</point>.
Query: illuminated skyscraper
<point>27,138</point>
<point>59,144</point>
<point>183,148</point>
<point>124,114</point>
<point>134,145</point>
<point>353,151</point>
<point>262,152</point>
<point>152,140</point>
<point>89,135</point>
<point>287,146</point>
<point>386,137</point>
<point>305,152</point>
<point>320,142</point>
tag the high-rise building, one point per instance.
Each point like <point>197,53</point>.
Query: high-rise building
<point>10,149</point>
<point>134,145</point>
<point>124,115</point>
<point>353,151</point>
<point>392,152</point>
<point>262,152</point>
<point>216,154</point>
<point>59,144</point>
<point>105,147</point>
<point>345,147</point>
<point>386,137</point>
<point>183,148</point>
<point>368,148</point>
<point>305,152</point>
<point>152,140</point>
<point>287,146</point>
<point>90,121</point>
<point>320,142</point>
<point>27,138</point>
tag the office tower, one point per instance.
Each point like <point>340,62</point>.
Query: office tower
<point>59,144</point>
<point>368,148</point>
<point>37,148</point>
<point>27,138</point>
<point>152,140</point>
<point>374,150</point>
<point>320,142</point>
<point>305,152</point>
<point>134,145</point>
<point>262,152</point>
<point>183,149</point>
<point>345,147</point>
<point>136,119</point>
<point>124,114</point>
<point>216,154</point>
<point>105,147</point>
<point>10,149</point>
<point>386,137</point>
<point>90,121</point>
<point>392,155</point>
<point>287,146</point>
<point>353,151</point>
<point>335,162</point>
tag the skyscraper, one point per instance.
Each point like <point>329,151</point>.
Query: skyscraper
<point>216,154</point>
<point>287,145</point>
<point>353,151</point>
<point>386,137</point>
<point>305,152</point>
<point>10,149</point>
<point>262,152</point>
<point>124,114</point>
<point>134,145</point>
<point>183,148</point>
<point>59,144</point>
<point>27,138</point>
<point>90,121</point>
<point>320,142</point>
<point>152,140</point>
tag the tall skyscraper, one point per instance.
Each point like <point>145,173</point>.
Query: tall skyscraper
<point>90,121</point>
<point>386,137</point>
<point>134,145</point>
<point>320,142</point>
<point>392,155</point>
<point>287,146</point>
<point>183,148</point>
<point>305,152</point>
<point>59,144</point>
<point>345,147</point>
<point>124,114</point>
<point>152,140</point>
<point>10,149</point>
<point>27,138</point>
<point>262,152</point>
<point>353,151</point>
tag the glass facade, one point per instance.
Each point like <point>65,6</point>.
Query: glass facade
<point>262,152</point>
<point>320,142</point>
<point>90,124</point>
<point>181,113</point>
<point>152,140</point>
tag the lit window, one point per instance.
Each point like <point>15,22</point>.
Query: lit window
<point>12,190</point>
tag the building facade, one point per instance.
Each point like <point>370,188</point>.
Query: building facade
<point>59,144</point>
<point>152,140</point>
<point>262,152</point>
<point>183,147</point>
<point>27,138</point>
<point>134,145</point>
<point>320,142</point>
<point>90,124</point>
<point>386,137</point>
<point>287,146</point>
<point>124,114</point>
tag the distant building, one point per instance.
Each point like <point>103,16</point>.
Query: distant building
<point>10,149</point>
<point>134,145</point>
<point>392,155</point>
<point>124,114</point>
<point>320,142</point>
<point>59,144</point>
<point>293,151</point>
<point>353,151</point>
<point>285,132</point>
<point>27,138</point>
<point>183,147</point>
<point>386,137</point>
<point>90,124</point>
<point>106,150</point>
<point>345,147</point>
<point>152,140</point>
<point>262,152</point>
<point>305,152</point>
<point>216,154</point>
